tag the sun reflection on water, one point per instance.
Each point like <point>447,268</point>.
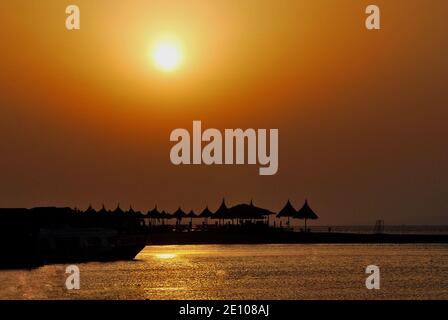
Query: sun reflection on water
<point>165,255</point>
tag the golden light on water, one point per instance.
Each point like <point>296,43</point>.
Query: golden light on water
<point>167,55</point>
<point>165,255</point>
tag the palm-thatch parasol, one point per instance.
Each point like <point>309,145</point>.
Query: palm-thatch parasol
<point>191,215</point>
<point>154,213</point>
<point>249,211</point>
<point>306,213</point>
<point>90,210</point>
<point>163,215</point>
<point>118,211</point>
<point>287,211</point>
<point>206,213</point>
<point>179,214</point>
<point>222,212</point>
<point>133,213</point>
<point>103,210</point>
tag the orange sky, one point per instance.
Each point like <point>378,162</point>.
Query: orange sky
<point>85,117</point>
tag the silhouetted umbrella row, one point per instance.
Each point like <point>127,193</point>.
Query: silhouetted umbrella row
<point>206,213</point>
<point>242,211</point>
<point>304,213</point>
<point>116,211</point>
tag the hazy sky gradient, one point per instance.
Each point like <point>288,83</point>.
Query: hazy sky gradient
<point>362,115</point>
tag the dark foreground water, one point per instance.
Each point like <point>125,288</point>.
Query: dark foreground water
<point>290,271</point>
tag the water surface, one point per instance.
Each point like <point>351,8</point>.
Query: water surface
<point>291,271</point>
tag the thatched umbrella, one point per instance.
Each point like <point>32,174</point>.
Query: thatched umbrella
<point>206,213</point>
<point>306,213</point>
<point>103,210</point>
<point>154,214</point>
<point>222,212</point>
<point>249,211</point>
<point>287,211</point>
<point>118,210</point>
<point>164,215</point>
<point>133,213</point>
<point>179,214</point>
<point>191,215</point>
<point>90,210</point>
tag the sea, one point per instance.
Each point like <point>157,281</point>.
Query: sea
<point>277,271</point>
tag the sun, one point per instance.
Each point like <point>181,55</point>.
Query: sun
<point>167,55</point>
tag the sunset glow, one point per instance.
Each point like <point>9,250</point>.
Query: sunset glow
<point>86,115</point>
